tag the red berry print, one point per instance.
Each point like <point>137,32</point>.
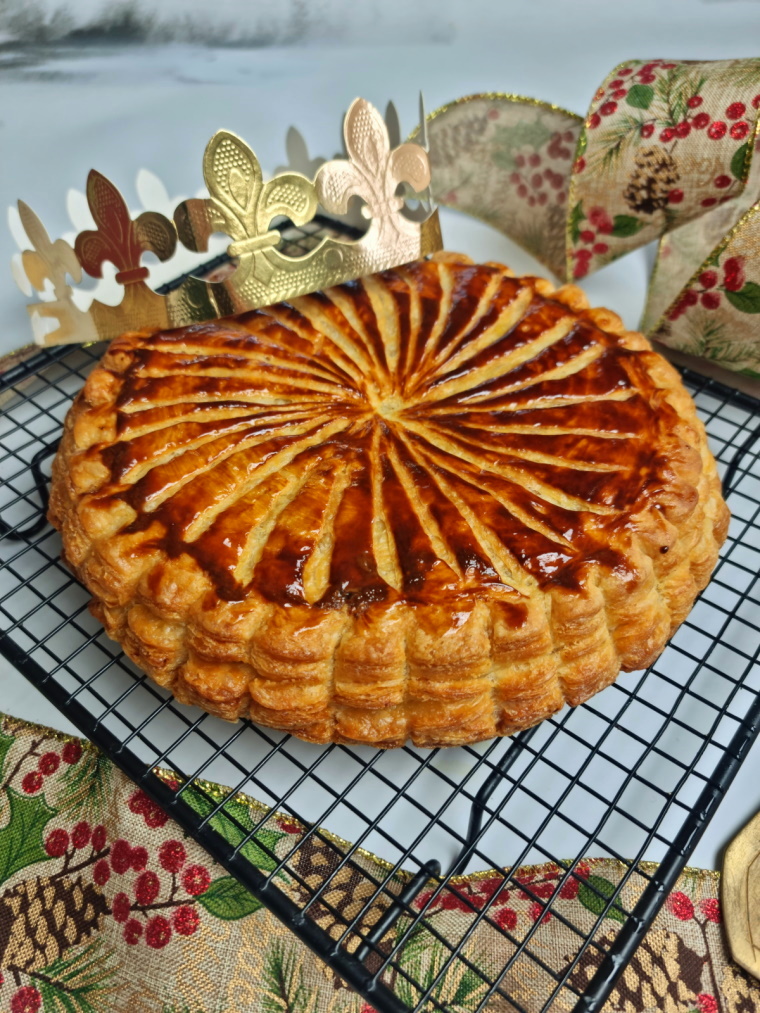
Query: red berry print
<point>452,902</point>
<point>139,802</point>
<point>99,837</point>
<point>626,71</point>
<point>620,93</point>
<point>519,161</point>
<point>608,108</point>
<point>489,887</point>
<point>681,906</point>
<point>733,274</point>
<point>155,817</point>
<point>691,298</point>
<point>121,856</point>
<point>683,129</point>
<point>522,190</point>
<point>158,932</point>
<point>536,180</point>
<point>196,880</point>
<point>81,835</point>
<point>700,121</point>
<point>677,310</point>
<point>536,912</point>
<point>617,83</point>
<point>133,930</point>
<point>139,859</point>
<point>707,1003</point>
<point>172,854</point>
<point>49,763</point>
<point>722,182</point>
<point>57,843</point>
<point>289,828</point>
<point>740,130</point>
<point>675,196</point>
<point>542,890</point>
<point>147,888</point>
<point>531,201</point>
<point>31,782</point>
<point>710,300</point>
<point>569,890</point>
<point>587,236</point>
<point>423,898</point>
<point>710,908</point>
<point>667,134</point>
<point>506,918</point>
<point>581,269</point>
<point>72,752</point>
<point>717,130</point>
<point>493,114</point>
<point>594,121</point>
<point>708,279</point>
<point>515,177</point>
<point>186,920</point>
<point>121,907</point>
<point>736,110</point>
<point>709,201</point>
<point>599,218</point>
<point>695,101</point>
<point>647,129</point>
<point>580,165</point>
<point>599,248</point>
<point>534,159</point>
<point>756,102</point>
<point>26,1000</point>
<point>101,872</point>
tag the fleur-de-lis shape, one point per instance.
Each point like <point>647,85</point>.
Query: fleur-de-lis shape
<point>53,261</point>
<point>117,238</point>
<point>375,170</point>
<point>48,261</point>
<point>242,205</point>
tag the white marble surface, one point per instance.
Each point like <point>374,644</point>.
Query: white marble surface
<point>155,107</point>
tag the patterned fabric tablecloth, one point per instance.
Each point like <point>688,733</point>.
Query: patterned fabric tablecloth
<point>106,906</point>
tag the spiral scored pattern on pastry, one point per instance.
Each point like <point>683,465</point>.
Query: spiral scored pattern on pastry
<point>433,504</point>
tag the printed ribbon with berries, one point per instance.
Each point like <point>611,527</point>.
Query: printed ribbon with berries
<point>106,906</point>
<point>665,152</point>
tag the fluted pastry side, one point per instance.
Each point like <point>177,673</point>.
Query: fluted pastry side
<point>435,504</point>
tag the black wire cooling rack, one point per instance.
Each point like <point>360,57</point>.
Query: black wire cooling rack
<point>637,771</point>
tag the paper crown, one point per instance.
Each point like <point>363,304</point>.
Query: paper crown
<point>245,208</point>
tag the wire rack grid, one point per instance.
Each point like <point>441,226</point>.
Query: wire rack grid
<point>638,771</point>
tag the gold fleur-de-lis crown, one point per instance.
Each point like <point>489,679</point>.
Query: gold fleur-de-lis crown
<point>247,209</point>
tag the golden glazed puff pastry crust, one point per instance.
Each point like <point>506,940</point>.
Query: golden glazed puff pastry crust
<point>434,504</point>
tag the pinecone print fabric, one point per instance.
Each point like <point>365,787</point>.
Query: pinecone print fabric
<point>668,151</point>
<point>652,181</point>
<point>105,907</point>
